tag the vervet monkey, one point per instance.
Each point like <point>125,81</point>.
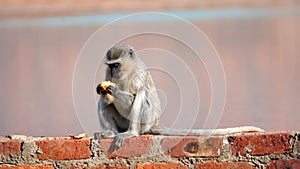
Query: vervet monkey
<point>131,106</point>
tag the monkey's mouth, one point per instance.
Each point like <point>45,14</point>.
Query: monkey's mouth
<point>100,90</point>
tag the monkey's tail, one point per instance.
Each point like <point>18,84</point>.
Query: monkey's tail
<point>204,132</point>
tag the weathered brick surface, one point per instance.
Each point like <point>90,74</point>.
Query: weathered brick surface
<point>224,165</point>
<point>284,164</point>
<point>260,144</point>
<point>9,146</point>
<point>161,166</point>
<point>26,167</point>
<point>101,166</point>
<point>64,149</point>
<point>182,152</point>
<point>192,146</point>
<point>85,166</point>
<point>298,144</point>
<point>132,147</point>
<point>112,166</point>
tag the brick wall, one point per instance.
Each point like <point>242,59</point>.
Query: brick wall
<point>240,151</point>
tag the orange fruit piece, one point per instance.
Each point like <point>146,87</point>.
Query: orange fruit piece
<point>106,84</point>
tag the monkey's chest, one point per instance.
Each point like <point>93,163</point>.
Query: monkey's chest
<point>132,89</point>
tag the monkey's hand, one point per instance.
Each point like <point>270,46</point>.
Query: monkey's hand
<point>102,88</point>
<point>111,89</point>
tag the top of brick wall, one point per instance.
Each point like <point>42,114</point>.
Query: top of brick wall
<point>248,150</point>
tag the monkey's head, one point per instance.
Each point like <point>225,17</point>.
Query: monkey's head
<point>120,61</point>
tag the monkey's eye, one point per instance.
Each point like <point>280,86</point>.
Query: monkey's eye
<point>131,52</point>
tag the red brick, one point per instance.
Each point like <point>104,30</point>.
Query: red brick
<point>9,147</point>
<point>189,146</point>
<point>114,166</point>
<point>224,165</point>
<point>288,164</point>
<point>260,144</point>
<point>161,166</point>
<point>64,149</point>
<point>102,166</point>
<point>26,167</point>
<point>132,147</point>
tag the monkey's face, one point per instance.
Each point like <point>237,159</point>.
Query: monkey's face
<point>119,61</point>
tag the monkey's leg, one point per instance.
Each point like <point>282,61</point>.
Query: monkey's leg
<point>106,114</point>
<point>134,119</point>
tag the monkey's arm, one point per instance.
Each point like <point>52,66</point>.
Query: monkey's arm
<point>134,119</point>
<point>123,98</point>
<point>204,132</point>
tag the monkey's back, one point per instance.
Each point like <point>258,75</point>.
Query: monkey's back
<point>145,80</point>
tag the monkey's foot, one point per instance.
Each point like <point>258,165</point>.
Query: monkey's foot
<point>119,139</point>
<point>104,134</point>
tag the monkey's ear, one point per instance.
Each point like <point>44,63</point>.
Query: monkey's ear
<point>131,52</point>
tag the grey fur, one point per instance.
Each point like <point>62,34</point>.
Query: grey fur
<point>132,106</point>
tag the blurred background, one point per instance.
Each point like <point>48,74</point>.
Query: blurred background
<point>257,41</point>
